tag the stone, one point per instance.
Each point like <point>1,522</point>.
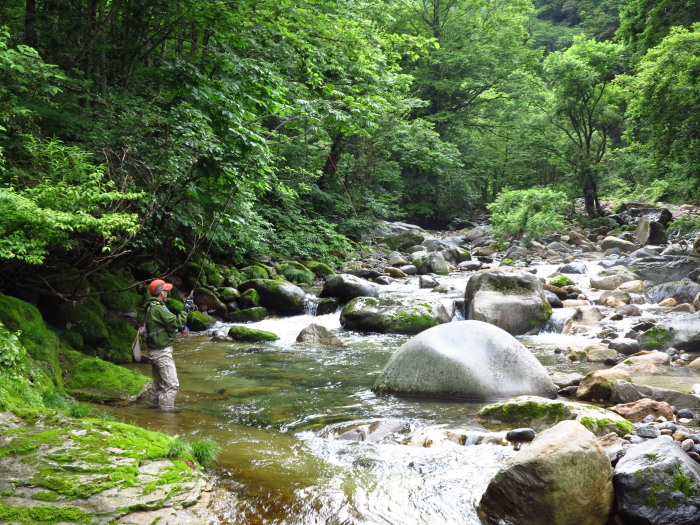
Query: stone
<point>611,278</point>
<point>683,291</point>
<point>615,243</point>
<point>464,359</point>
<point>632,287</point>
<point>541,413</point>
<point>347,287</point>
<point>624,346</point>
<point>520,435</point>
<point>317,334</point>
<point>648,431</point>
<point>638,410</point>
<point>432,262</point>
<point>563,477</point>
<point>384,315</point>
<point>598,384</point>
<point>657,482</point>
<point>513,301</point>
<point>644,363</point>
<point>583,319</point>
<point>284,298</point>
<point>650,232</point>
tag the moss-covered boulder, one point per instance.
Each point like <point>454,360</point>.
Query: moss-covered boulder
<point>383,315</point>
<point>117,348</point>
<point>57,469</point>
<point>241,333</point>
<point>319,269</point>
<point>116,292</point>
<point>561,280</point>
<point>249,315</point>
<point>296,272</point>
<point>199,321</point>
<point>541,413</point>
<point>85,319</point>
<point>249,299</point>
<point>95,380</point>
<point>282,297</point>
<point>42,344</point>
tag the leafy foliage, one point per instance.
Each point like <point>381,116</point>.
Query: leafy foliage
<point>527,214</point>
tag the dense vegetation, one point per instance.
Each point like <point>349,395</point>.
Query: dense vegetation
<point>147,133</point>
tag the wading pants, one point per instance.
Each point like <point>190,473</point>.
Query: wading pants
<point>165,383</point>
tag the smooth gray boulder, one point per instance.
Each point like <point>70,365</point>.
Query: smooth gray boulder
<point>431,262</point>
<point>465,359</point>
<point>657,483</point>
<point>611,278</point>
<point>683,291</point>
<point>682,332</point>
<point>399,235</point>
<point>369,314</point>
<point>346,287</point>
<point>564,477</point>
<point>650,232</point>
<point>513,301</point>
<point>664,268</point>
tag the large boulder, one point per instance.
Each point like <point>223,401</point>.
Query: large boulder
<point>651,213</point>
<point>682,332</point>
<point>369,314</point>
<point>611,278</point>
<point>657,483</point>
<point>399,235</point>
<point>583,319</point>
<point>650,232</point>
<point>618,245</point>
<point>683,291</point>
<point>464,359</point>
<point>513,301</point>
<point>346,287</point>
<point>541,413</point>
<point>664,268</point>
<point>564,477</point>
<point>431,262</point>
<point>282,297</point>
<point>598,384</point>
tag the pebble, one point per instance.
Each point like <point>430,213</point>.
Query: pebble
<point>679,436</point>
<point>687,445</point>
<point>695,456</point>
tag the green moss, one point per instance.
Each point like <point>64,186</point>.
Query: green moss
<point>93,379</point>
<point>43,514</point>
<point>117,292</point>
<point>199,322</point>
<point>258,271</point>
<point>528,411</point>
<point>656,337</point>
<point>509,287</point>
<point>561,281</point>
<point>413,320</point>
<point>319,269</point>
<point>296,273</point>
<point>85,319</point>
<point>117,349</point>
<point>249,299</point>
<point>240,333</point>
<point>249,315</point>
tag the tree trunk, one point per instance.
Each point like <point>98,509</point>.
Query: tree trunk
<point>30,37</point>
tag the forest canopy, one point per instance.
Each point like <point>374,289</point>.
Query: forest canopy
<point>155,129</point>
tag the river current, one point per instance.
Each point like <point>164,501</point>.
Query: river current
<point>277,409</point>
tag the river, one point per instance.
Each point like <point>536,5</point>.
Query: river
<point>278,408</point>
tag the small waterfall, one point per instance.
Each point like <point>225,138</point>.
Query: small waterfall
<point>310,304</point>
<point>557,321</point>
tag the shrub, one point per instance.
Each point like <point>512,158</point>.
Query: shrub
<point>296,273</point>
<point>527,214</point>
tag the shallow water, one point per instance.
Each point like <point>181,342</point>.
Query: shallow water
<point>278,408</point>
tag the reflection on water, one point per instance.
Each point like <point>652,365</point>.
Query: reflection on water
<point>278,408</point>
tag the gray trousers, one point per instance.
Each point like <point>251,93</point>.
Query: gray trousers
<point>165,383</point>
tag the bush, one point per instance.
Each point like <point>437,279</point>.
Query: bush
<point>527,214</point>
<point>296,273</point>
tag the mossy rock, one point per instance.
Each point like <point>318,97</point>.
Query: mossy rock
<point>93,379</point>
<point>233,277</point>
<point>63,480</point>
<point>561,281</point>
<point>249,315</point>
<point>199,322</point>
<point>73,338</point>
<point>86,319</point>
<point>249,299</point>
<point>117,349</point>
<point>41,342</point>
<point>320,269</point>
<point>240,333</point>
<point>540,413</point>
<point>259,271</point>
<point>227,294</point>
<point>174,305</point>
<point>296,273</point>
<point>126,300</point>
<point>656,338</point>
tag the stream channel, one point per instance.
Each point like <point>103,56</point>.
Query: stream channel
<point>278,408</point>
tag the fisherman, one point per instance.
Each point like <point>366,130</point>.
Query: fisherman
<point>160,326</point>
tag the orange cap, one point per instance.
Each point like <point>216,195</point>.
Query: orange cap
<point>158,286</point>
